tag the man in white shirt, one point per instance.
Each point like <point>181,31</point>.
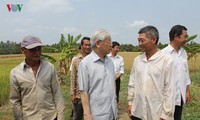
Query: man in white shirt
<point>151,88</point>
<point>178,36</point>
<point>119,66</point>
<point>96,80</point>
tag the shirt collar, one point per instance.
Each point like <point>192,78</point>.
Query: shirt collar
<point>96,57</point>
<point>109,55</point>
<point>25,66</point>
<point>153,57</point>
<point>171,49</point>
<point>112,57</point>
<point>80,56</point>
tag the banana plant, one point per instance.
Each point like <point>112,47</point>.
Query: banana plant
<point>192,50</point>
<point>67,50</point>
<point>47,57</point>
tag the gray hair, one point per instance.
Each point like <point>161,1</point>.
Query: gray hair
<point>99,34</point>
<point>150,32</point>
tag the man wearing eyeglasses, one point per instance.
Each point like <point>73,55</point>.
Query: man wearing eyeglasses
<point>34,90</point>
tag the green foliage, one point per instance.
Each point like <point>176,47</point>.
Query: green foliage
<point>70,49</point>
<point>49,49</point>
<point>6,64</point>
<point>67,50</point>
<point>128,48</point>
<point>47,57</point>
<point>191,47</point>
<point>4,89</point>
<point>191,111</point>
<point>9,47</point>
<point>189,38</point>
<point>161,46</point>
<point>62,43</point>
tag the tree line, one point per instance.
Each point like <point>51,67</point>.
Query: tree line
<point>10,47</point>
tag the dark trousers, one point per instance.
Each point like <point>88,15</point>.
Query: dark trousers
<point>77,111</point>
<point>55,118</point>
<point>135,118</point>
<point>117,83</point>
<point>71,115</point>
<point>178,111</point>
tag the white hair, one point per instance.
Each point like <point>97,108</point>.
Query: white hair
<point>99,34</point>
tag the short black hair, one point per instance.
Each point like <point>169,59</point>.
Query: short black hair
<point>176,31</point>
<point>114,43</point>
<point>84,38</point>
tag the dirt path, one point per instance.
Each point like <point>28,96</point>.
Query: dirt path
<point>123,114</point>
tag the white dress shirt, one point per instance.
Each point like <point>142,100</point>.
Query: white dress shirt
<point>118,63</point>
<point>181,72</point>
<point>151,89</point>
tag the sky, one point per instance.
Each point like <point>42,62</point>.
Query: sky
<point>48,19</point>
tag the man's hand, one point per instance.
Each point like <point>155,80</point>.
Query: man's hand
<point>74,99</point>
<point>129,110</point>
<point>187,95</point>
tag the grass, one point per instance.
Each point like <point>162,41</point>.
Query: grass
<point>6,64</point>
<point>4,90</point>
<point>190,112</point>
<point>128,60</point>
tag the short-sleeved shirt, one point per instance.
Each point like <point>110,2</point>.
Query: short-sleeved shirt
<point>96,77</point>
<point>118,63</point>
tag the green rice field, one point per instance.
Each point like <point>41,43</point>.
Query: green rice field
<point>7,62</point>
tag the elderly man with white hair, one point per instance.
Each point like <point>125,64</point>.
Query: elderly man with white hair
<point>96,80</point>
